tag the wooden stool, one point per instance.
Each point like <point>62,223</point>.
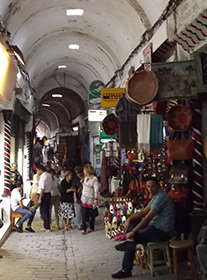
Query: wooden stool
<point>183,245</point>
<point>155,265</point>
<point>15,216</point>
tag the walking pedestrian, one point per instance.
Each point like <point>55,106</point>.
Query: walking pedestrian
<point>66,211</point>
<point>45,183</point>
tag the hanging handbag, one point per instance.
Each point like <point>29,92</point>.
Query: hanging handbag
<point>178,174</point>
<point>181,198</point>
<point>180,149</point>
<point>95,211</point>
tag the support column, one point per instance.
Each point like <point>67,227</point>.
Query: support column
<point>7,149</point>
<point>197,157</point>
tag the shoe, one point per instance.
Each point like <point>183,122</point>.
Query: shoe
<point>79,228</point>
<point>126,246</point>
<point>90,230</point>
<point>83,232</point>
<point>18,229</point>
<point>46,230</point>
<point>29,229</point>
<point>57,227</point>
<point>66,228</point>
<point>121,274</point>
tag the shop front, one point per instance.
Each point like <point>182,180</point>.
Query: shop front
<point>161,134</point>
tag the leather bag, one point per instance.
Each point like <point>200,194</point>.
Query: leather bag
<point>95,212</point>
<point>181,198</point>
<point>178,174</point>
<point>180,149</point>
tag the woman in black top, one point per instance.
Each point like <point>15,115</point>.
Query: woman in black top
<point>67,199</point>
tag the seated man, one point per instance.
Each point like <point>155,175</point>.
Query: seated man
<point>154,223</point>
<point>18,207</point>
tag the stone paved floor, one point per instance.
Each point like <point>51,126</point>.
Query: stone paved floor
<point>60,255</point>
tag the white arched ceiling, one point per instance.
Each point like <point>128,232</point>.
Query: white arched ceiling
<point>107,33</point>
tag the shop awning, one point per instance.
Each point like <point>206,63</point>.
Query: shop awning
<point>194,34</point>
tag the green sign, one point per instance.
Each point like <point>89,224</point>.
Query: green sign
<point>104,138</point>
<point>95,92</point>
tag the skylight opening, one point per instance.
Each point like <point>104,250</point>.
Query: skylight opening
<point>73,46</point>
<point>57,95</point>
<point>62,66</point>
<point>74,12</point>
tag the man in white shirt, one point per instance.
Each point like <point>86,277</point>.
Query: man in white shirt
<point>45,183</point>
<point>18,207</point>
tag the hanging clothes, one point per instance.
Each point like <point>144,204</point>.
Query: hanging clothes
<point>126,110</point>
<point>104,188</point>
<point>156,132</point>
<point>143,131</point>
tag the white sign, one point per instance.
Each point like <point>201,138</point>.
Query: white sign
<point>96,115</point>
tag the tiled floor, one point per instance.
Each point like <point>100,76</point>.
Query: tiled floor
<point>59,255</point>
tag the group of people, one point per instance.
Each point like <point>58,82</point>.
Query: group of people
<point>154,223</point>
<point>74,196</point>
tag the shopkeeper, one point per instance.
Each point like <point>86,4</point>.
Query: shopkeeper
<point>157,226</point>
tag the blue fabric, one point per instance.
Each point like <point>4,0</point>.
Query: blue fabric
<point>26,215</point>
<point>165,219</point>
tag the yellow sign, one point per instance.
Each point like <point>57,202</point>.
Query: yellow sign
<point>110,96</point>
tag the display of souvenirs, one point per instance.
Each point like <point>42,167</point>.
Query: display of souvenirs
<point>116,215</point>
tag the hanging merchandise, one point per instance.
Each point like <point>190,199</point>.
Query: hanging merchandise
<point>156,133</point>
<point>179,174</point>
<point>179,117</point>
<point>143,131</point>
<point>116,215</point>
<point>128,134</point>
<point>126,110</point>
<point>180,149</point>
<point>181,197</point>
<point>110,125</point>
<point>142,87</point>
<point>104,188</point>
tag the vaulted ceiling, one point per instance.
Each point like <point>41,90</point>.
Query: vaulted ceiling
<point>107,33</point>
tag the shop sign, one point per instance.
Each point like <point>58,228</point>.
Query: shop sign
<point>96,115</point>
<point>95,92</point>
<point>110,96</point>
<point>147,53</point>
<point>177,80</point>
